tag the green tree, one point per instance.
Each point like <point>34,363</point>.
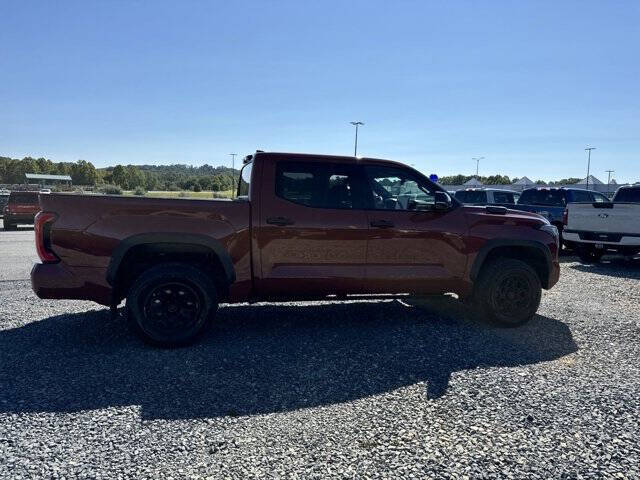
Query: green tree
<point>83,173</point>
<point>151,180</point>
<point>119,176</point>
<point>205,183</point>
<point>135,177</point>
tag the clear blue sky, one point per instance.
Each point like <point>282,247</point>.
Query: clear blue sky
<point>528,85</point>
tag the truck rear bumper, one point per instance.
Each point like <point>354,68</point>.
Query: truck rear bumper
<point>620,242</point>
<point>57,281</point>
<point>630,239</point>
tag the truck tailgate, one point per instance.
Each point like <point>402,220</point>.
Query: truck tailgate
<point>610,218</point>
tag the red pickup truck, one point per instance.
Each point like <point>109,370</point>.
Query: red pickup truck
<point>21,207</point>
<point>302,227</point>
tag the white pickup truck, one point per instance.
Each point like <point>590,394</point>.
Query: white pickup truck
<point>592,229</point>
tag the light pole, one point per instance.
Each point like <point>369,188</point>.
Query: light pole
<point>233,173</point>
<point>355,148</point>
<point>477,159</point>
<point>589,163</point>
<point>609,172</point>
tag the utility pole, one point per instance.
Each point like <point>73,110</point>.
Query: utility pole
<point>355,148</point>
<point>233,174</point>
<point>477,159</point>
<point>589,163</point>
<point>609,172</point>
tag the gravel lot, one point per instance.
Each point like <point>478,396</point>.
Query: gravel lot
<point>325,389</point>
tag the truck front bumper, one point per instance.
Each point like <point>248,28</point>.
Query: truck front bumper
<point>57,281</point>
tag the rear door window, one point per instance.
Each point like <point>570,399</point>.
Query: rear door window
<point>321,185</point>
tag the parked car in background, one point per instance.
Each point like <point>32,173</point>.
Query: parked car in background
<point>4,199</point>
<point>302,226</point>
<point>550,202</point>
<point>21,207</point>
<point>596,228</point>
<point>486,196</point>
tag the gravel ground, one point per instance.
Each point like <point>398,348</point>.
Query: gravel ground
<point>385,389</point>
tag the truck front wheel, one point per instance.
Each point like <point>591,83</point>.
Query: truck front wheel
<point>508,292</point>
<point>171,305</point>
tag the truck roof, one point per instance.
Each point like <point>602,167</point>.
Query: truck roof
<point>326,158</point>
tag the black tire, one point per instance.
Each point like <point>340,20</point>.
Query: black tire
<point>590,255</point>
<point>9,226</point>
<point>508,292</point>
<point>171,305</point>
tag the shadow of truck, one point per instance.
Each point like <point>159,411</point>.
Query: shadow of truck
<point>259,359</point>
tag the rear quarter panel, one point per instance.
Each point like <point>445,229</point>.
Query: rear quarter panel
<point>89,228</point>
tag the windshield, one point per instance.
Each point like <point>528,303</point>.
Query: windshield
<point>552,198</point>
<point>244,181</point>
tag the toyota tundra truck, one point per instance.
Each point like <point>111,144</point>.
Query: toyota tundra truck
<point>593,229</point>
<point>301,227</point>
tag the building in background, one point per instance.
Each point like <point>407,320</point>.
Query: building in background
<point>47,180</point>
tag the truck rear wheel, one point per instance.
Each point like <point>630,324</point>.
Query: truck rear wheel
<point>171,305</point>
<point>508,292</point>
<point>9,226</point>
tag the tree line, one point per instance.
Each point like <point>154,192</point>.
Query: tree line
<point>128,177</point>
<point>13,171</point>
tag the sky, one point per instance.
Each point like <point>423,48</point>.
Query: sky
<point>527,85</point>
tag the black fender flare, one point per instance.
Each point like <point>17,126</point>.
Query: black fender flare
<point>506,242</point>
<point>173,238</point>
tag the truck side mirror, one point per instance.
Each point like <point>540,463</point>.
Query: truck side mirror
<point>442,201</point>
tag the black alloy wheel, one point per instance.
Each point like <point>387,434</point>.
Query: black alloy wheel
<point>508,292</point>
<point>171,305</point>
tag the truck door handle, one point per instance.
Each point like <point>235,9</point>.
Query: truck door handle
<point>281,221</point>
<point>381,224</point>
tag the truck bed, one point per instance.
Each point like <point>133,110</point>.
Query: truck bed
<point>89,228</point>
